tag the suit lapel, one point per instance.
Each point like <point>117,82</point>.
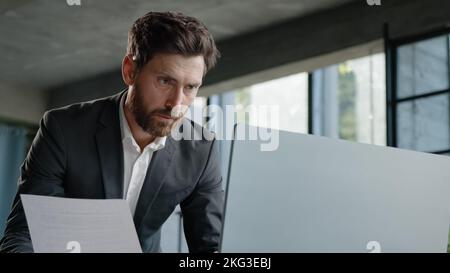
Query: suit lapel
<point>154,180</point>
<point>109,147</point>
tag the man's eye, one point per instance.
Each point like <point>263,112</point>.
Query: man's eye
<point>191,87</point>
<point>164,81</point>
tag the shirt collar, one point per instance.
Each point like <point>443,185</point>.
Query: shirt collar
<point>127,136</point>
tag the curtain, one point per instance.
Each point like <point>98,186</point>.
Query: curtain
<point>13,141</point>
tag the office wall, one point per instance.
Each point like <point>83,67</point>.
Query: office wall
<point>22,104</point>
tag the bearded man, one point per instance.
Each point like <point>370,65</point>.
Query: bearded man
<point>121,146</point>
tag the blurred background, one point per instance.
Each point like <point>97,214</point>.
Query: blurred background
<point>369,71</point>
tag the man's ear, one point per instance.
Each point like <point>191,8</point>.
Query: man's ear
<point>128,70</point>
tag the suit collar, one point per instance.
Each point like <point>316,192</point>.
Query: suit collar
<point>109,147</point>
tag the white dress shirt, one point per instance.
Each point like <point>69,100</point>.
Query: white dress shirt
<point>135,161</point>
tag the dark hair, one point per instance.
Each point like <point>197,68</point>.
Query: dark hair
<point>170,32</point>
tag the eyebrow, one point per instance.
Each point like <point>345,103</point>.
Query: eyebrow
<point>195,84</point>
<point>163,74</point>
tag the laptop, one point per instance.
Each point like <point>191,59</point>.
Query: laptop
<point>317,194</point>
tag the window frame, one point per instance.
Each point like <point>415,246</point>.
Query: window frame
<point>392,101</point>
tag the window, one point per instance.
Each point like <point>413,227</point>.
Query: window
<point>420,99</point>
<point>422,67</point>
<point>423,124</point>
<point>289,93</point>
<point>349,101</point>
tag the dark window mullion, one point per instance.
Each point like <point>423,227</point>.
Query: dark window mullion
<point>430,94</point>
<point>310,103</point>
<point>448,80</point>
<point>390,70</point>
<point>394,96</point>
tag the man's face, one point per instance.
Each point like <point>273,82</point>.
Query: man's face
<point>163,90</point>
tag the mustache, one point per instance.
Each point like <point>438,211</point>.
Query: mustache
<point>174,113</point>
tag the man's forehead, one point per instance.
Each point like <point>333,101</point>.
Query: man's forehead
<point>178,65</point>
<point>173,60</point>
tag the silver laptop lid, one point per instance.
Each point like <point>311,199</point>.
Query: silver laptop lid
<point>316,194</point>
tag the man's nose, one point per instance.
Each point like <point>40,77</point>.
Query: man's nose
<point>175,98</point>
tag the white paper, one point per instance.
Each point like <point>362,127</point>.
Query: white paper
<point>80,225</point>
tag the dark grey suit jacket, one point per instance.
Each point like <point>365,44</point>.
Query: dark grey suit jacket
<point>77,153</point>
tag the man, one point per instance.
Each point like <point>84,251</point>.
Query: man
<point>122,147</point>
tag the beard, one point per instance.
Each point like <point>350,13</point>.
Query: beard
<point>148,120</point>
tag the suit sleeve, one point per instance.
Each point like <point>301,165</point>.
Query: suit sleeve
<point>42,173</point>
<point>202,210</point>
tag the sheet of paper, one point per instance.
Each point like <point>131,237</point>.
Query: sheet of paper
<point>80,225</point>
